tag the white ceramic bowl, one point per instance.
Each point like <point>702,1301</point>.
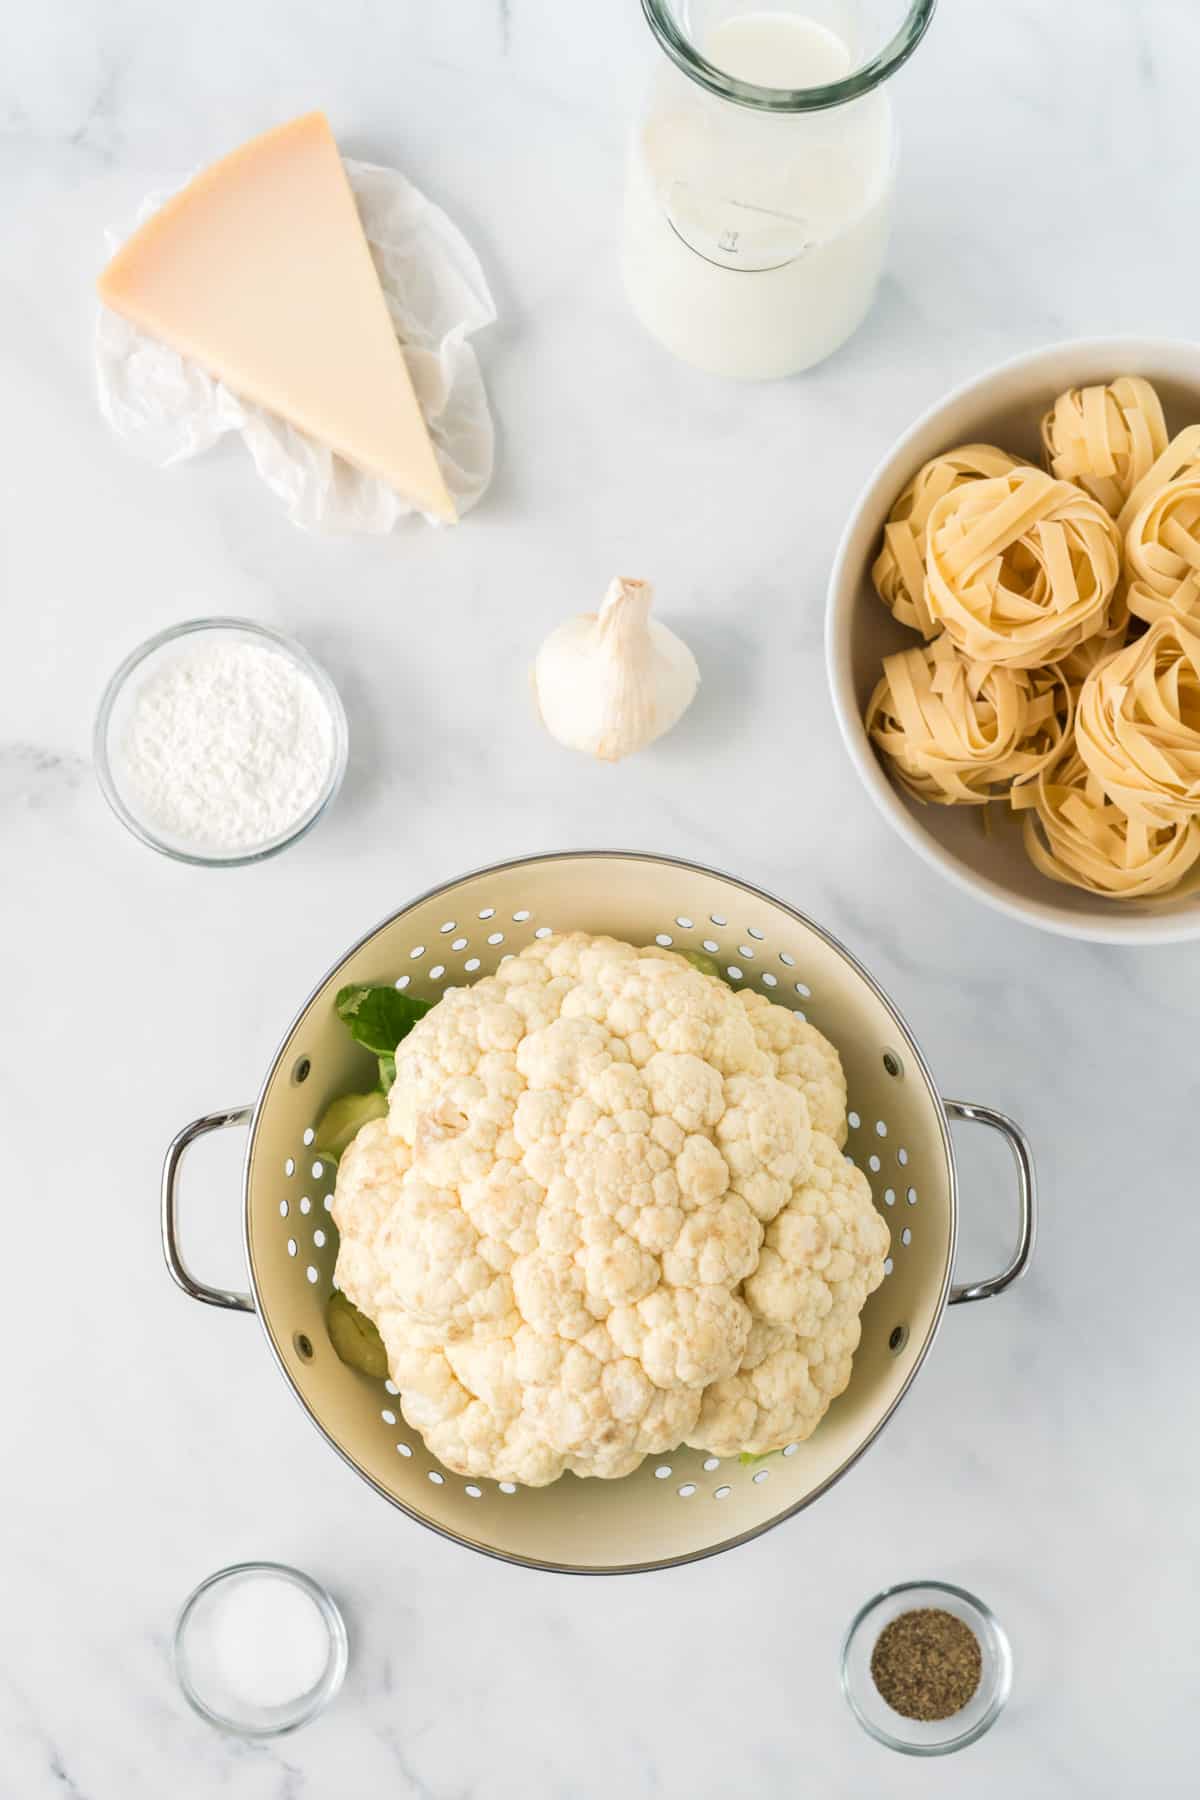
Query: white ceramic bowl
<point>1003,407</point>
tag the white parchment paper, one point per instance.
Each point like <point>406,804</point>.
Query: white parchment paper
<point>166,408</point>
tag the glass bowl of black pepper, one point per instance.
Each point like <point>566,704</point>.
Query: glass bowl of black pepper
<point>926,1668</point>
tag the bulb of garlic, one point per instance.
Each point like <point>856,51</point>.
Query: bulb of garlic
<point>611,682</point>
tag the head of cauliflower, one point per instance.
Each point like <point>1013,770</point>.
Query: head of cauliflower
<point>608,1214</point>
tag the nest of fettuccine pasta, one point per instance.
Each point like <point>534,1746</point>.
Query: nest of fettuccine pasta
<point>1056,670</point>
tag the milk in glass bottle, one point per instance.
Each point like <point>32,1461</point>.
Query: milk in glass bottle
<point>759,188</point>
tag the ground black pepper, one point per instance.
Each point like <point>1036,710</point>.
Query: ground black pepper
<point>927,1663</point>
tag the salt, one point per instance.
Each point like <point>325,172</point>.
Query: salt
<point>255,1641</point>
<point>226,746</point>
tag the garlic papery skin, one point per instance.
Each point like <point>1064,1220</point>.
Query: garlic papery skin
<point>609,683</point>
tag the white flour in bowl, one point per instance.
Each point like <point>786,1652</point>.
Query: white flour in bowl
<point>227,746</point>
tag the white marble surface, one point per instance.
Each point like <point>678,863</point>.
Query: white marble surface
<point>1047,1457</point>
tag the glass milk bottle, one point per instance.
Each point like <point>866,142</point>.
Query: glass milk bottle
<point>759,188</point>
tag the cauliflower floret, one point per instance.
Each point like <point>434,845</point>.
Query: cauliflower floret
<point>803,1058</point>
<point>597,1221</point>
<point>821,1256</point>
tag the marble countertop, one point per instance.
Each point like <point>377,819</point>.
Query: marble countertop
<point>1047,1457</point>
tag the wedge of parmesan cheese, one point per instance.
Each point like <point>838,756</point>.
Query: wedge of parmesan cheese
<point>259,270</point>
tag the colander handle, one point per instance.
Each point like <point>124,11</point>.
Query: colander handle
<point>196,1290</point>
<point>968,1113</point>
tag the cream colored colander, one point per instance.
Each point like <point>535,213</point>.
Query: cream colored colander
<point>677,1507</point>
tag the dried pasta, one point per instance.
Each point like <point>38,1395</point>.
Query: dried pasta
<point>1020,567</point>
<point>960,733</point>
<point>1074,833</point>
<point>1061,662</point>
<point>1179,458</point>
<point>1078,664</point>
<point>899,570</point>
<point>1106,439</point>
<point>1162,552</point>
<point>1138,725</point>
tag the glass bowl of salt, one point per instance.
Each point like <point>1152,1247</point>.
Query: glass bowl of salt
<point>220,742</point>
<point>260,1649</point>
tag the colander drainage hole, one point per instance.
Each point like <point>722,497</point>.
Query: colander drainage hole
<point>769,979</point>
<point>663,1472</point>
<point>508,1487</point>
<point>722,1493</point>
<point>312,1275</point>
<point>402,982</point>
<point>754,932</point>
<point>684,923</point>
<point>318,1169</point>
<point>733,972</point>
<point>712,1462</point>
<point>519,918</point>
<point>404,1449</point>
<point>471,964</point>
<point>283,1209</point>
<point>305,1204</point>
<point>289,1167</point>
<point>437,1480</point>
<point>717,919</point>
<point>302,1070</point>
<point>911,1196</point>
<point>804,991</point>
<point>892,1064</point>
<point>543,931</point>
<point>906,1236</point>
<point>292,1247</point>
<point>880,1128</point>
<point>495,937</point>
<point>303,1347</point>
<point>902,1157</point>
<point>687,1490</point>
<point>888,1266</point>
<point>309,1135</point>
<point>874,1164</point>
<point>790,1449</point>
<point>889,1196</point>
<point>664,940</point>
<point>899,1338</point>
<point>789,962</point>
<point>319,1239</point>
<point>853,1120</point>
<point>459,944</point>
<point>388,1417</point>
<point>711,945</point>
<point>472,1492</point>
<point>390,1387</point>
<point>760,1476</point>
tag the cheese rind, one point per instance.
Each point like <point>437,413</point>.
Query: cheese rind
<point>260,271</point>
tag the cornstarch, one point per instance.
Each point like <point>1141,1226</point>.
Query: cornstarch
<point>227,746</point>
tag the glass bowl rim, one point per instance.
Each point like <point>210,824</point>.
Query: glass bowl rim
<point>277,640</point>
<point>327,1687</point>
<point>683,53</point>
<point>1002,1686</point>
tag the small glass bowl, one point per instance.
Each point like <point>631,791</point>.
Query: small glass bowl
<point>114,709</point>
<point>920,1737</point>
<point>201,1689</point>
